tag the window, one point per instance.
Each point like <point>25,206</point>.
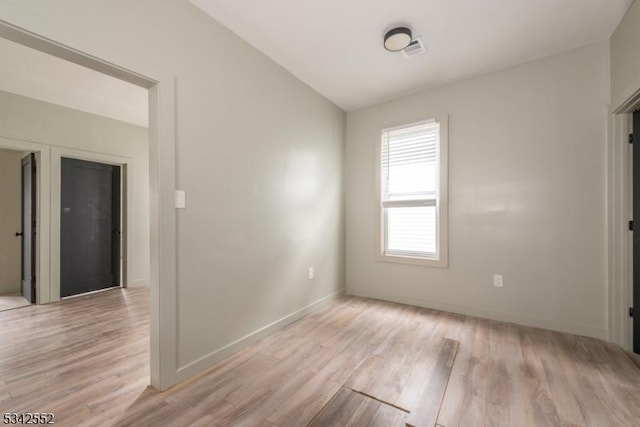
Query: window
<point>412,177</point>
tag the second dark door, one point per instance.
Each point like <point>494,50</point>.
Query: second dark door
<point>89,227</point>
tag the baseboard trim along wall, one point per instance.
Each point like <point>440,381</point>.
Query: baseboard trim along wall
<point>554,325</point>
<point>139,283</point>
<point>208,360</point>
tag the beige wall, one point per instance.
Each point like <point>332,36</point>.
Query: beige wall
<point>28,119</point>
<point>258,153</point>
<point>625,59</point>
<point>526,190</point>
<point>10,201</point>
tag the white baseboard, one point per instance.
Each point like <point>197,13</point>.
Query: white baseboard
<point>138,283</point>
<point>208,360</point>
<point>554,325</point>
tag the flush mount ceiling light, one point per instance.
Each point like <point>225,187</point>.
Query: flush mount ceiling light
<point>397,39</point>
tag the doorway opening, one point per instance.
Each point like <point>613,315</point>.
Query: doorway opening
<point>162,182</point>
<point>17,229</point>
<point>623,146</point>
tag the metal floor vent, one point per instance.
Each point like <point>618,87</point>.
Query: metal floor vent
<point>416,47</point>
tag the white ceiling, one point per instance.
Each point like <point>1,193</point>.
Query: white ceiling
<point>34,74</point>
<point>335,46</point>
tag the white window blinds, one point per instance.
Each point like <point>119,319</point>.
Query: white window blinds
<point>409,180</point>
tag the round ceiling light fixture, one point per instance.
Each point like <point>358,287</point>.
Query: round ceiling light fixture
<point>397,39</point>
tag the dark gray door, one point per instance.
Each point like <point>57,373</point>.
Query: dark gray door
<point>636,233</point>
<point>90,227</point>
<point>28,233</point>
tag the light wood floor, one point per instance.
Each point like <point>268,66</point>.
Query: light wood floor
<point>355,361</point>
<point>9,302</point>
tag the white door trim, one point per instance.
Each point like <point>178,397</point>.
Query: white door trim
<point>619,237</point>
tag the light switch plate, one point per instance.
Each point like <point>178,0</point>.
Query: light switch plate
<point>498,281</point>
<point>180,199</point>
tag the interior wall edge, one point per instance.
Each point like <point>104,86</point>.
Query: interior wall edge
<point>206,362</point>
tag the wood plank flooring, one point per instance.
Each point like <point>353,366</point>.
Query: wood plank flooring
<point>86,360</point>
<point>349,408</point>
<point>429,393</point>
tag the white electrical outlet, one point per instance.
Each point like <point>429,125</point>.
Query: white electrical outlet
<point>497,281</point>
<point>311,273</point>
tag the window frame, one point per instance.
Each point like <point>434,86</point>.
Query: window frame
<point>441,257</point>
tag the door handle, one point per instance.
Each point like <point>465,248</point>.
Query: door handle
<point>19,233</point>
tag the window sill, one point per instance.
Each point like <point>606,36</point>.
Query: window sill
<point>424,262</point>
